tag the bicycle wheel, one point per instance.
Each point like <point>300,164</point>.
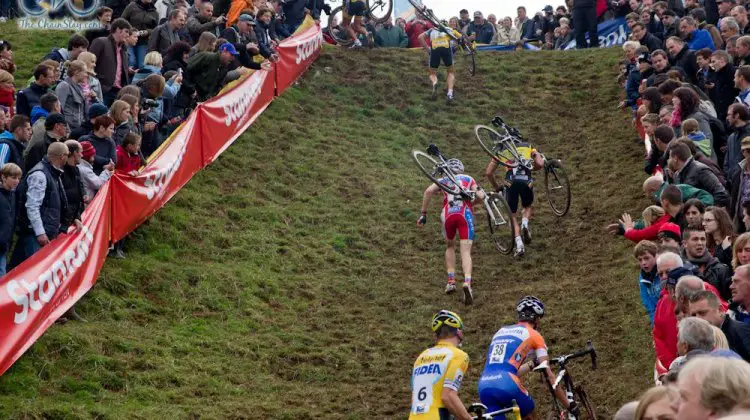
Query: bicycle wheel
<point>501,224</point>
<point>335,30</point>
<point>470,55</point>
<point>587,410</point>
<point>557,186</point>
<point>498,147</point>
<point>432,169</point>
<point>379,10</point>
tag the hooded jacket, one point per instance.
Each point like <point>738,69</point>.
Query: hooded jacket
<point>650,286</point>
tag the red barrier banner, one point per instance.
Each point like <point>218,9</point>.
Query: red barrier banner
<point>36,293</point>
<point>136,198</point>
<point>228,115</point>
<point>296,53</point>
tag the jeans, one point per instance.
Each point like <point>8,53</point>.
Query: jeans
<point>26,246</point>
<point>584,20</point>
<point>136,55</point>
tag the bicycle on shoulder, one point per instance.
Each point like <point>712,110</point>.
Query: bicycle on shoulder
<point>459,42</point>
<point>577,396</point>
<point>435,166</point>
<point>500,142</point>
<point>345,21</point>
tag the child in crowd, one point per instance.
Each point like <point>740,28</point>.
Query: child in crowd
<point>10,176</point>
<point>648,279</point>
<point>691,130</point>
<point>129,159</point>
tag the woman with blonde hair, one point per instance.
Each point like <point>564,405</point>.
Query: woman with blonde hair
<point>7,90</point>
<point>651,214</point>
<point>92,84</point>
<point>120,113</point>
<point>70,93</point>
<point>741,250</point>
<point>206,42</point>
<point>151,65</point>
<point>655,404</point>
<point>720,339</point>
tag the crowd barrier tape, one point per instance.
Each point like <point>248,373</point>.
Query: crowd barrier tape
<point>39,291</point>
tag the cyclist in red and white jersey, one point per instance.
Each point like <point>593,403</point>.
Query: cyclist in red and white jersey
<point>457,217</point>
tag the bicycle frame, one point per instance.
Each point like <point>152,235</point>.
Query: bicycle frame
<point>564,376</point>
<point>512,136</point>
<point>478,409</point>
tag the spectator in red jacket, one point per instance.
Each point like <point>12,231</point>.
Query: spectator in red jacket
<point>128,154</point>
<point>415,28</point>
<point>7,90</point>
<point>670,268</point>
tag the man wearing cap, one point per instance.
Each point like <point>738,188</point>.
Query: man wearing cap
<point>706,305</point>
<point>206,71</point>
<point>584,21</point>
<point>42,203</point>
<point>91,181</point>
<point>549,21</point>
<point>480,30</point>
<point>56,129</point>
<point>95,110</point>
<point>204,21</point>
<point>642,72</point>
<point>740,185</point>
<point>242,36</point>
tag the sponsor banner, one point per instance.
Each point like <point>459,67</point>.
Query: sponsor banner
<point>136,198</point>
<point>36,293</point>
<point>228,115</point>
<point>611,33</point>
<point>297,53</point>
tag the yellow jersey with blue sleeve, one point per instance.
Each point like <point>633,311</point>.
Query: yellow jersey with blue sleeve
<point>519,173</point>
<point>437,368</point>
<point>439,39</point>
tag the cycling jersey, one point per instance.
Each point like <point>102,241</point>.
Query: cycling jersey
<point>439,39</point>
<point>442,366</point>
<point>499,384</point>
<point>519,173</point>
<point>457,216</point>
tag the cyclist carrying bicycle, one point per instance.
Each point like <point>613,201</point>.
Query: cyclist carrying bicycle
<point>354,11</point>
<point>507,356</point>
<point>440,49</point>
<point>518,183</point>
<point>438,372</point>
<point>457,217</point>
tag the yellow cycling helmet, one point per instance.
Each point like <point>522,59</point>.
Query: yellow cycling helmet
<point>447,318</point>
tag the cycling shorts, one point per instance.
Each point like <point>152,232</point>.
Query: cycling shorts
<point>463,223</point>
<point>438,54</point>
<point>522,190</point>
<point>499,390</point>
<point>355,8</point>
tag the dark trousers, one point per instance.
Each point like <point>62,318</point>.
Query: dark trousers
<point>584,20</point>
<point>110,96</point>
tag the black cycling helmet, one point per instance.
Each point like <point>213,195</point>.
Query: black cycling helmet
<point>530,308</point>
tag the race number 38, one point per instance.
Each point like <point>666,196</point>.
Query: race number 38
<point>497,355</point>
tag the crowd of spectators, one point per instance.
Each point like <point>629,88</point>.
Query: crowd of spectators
<point>686,80</point>
<point>111,97</point>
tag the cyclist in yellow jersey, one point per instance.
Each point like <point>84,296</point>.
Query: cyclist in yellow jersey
<point>440,49</point>
<point>519,183</point>
<point>356,9</point>
<point>438,372</point>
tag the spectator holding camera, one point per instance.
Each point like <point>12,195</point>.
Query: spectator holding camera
<point>205,21</point>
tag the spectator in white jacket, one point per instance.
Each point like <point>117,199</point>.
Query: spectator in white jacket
<point>91,181</point>
<point>506,34</point>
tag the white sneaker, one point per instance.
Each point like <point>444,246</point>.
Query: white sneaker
<point>356,44</point>
<point>450,288</point>
<point>468,294</point>
<point>519,252</point>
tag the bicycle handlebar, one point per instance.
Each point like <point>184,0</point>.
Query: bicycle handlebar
<point>589,350</point>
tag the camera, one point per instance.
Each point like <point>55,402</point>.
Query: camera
<point>149,103</point>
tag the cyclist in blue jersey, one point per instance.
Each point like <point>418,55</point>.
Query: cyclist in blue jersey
<point>512,345</point>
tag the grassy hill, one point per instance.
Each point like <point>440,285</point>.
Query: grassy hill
<point>288,280</point>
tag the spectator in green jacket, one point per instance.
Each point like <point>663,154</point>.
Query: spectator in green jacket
<point>391,36</point>
<point>653,186</point>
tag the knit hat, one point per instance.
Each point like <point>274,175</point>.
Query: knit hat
<point>87,150</point>
<point>52,120</point>
<point>644,58</point>
<point>97,110</point>
<point>670,230</point>
<point>246,18</point>
<point>676,273</point>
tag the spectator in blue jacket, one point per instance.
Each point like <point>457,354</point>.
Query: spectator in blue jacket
<point>696,38</point>
<point>648,279</point>
<point>480,30</point>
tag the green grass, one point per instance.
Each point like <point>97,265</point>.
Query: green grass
<point>288,279</point>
